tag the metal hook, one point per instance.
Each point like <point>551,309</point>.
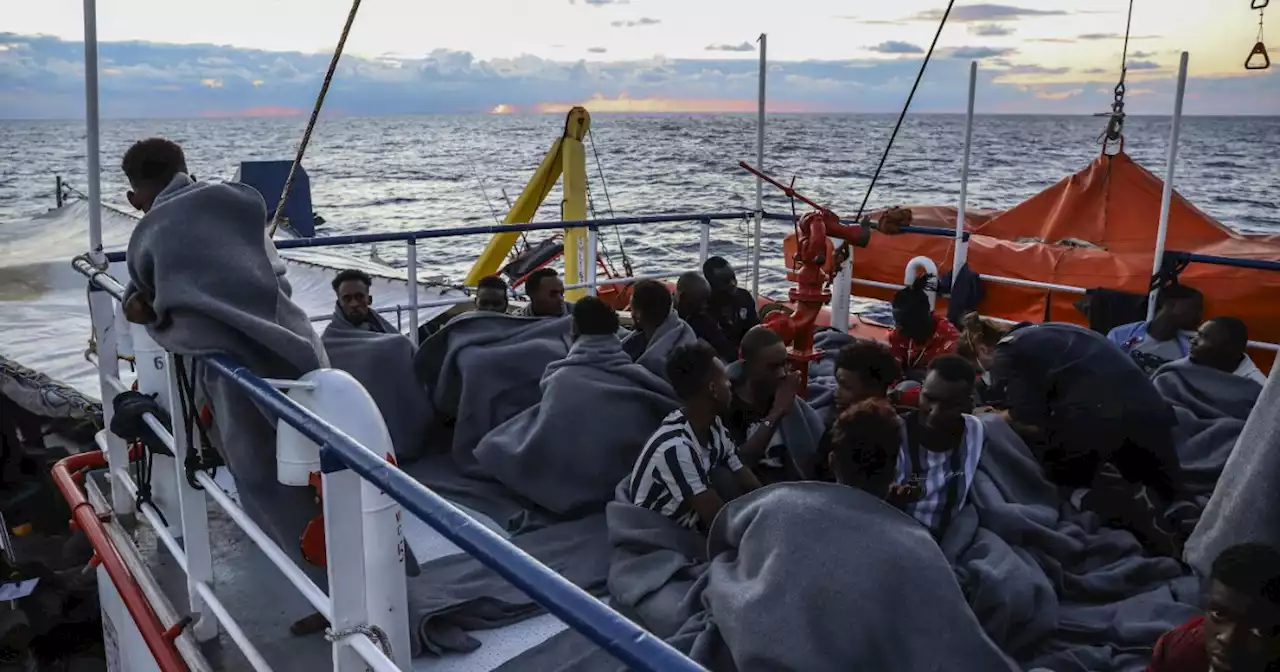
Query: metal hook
<point>1259,49</point>
<point>1258,4</point>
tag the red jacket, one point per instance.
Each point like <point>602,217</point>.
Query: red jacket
<point>1182,649</point>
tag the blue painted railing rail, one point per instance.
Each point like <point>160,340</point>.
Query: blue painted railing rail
<point>1259,264</point>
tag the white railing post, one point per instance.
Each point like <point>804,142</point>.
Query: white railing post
<point>591,259</point>
<point>103,315</point>
<point>755,251</point>
<point>91,128</point>
<point>153,367</point>
<point>704,242</point>
<point>193,511</point>
<point>841,290</point>
<point>344,543</point>
<point>412,270</point>
<point>1166,197</point>
<point>962,246</point>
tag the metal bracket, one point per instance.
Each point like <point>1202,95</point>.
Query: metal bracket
<point>1259,49</point>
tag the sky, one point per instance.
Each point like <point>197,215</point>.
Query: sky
<point>268,57</point>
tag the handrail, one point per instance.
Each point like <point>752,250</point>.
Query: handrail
<point>919,230</point>
<point>1192,257</point>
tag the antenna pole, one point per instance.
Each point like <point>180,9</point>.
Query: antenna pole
<point>1166,197</point>
<point>755,252</point>
<point>962,248</point>
<point>91,129</point>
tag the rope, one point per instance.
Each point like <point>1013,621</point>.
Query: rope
<point>373,632</point>
<point>604,184</point>
<point>315,114</point>
<point>903,114</point>
<point>1115,127</point>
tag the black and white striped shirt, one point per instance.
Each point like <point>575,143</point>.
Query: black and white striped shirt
<point>945,478</point>
<point>674,466</point>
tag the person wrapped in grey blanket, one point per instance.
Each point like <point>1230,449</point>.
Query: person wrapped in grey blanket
<point>383,363</point>
<point>658,329</point>
<point>1051,585</point>
<point>1245,506</point>
<point>597,409</point>
<point>203,283</point>
<point>483,368</point>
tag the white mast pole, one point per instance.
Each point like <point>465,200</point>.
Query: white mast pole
<point>91,123</point>
<point>962,248</point>
<point>755,252</point>
<point>1166,198</point>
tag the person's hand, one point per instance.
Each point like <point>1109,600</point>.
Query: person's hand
<point>902,494</point>
<point>137,308</point>
<point>785,397</point>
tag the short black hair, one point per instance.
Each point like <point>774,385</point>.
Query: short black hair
<point>914,295</point>
<point>652,298</point>
<point>1235,330</point>
<point>756,339</point>
<point>534,281</point>
<point>713,264</point>
<point>153,162</point>
<point>1253,569</point>
<point>594,317</point>
<point>866,438</point>
<point>689,366</point>
<point>351,274</point>
<point>492,282</point>
<point>954,369</point>
<point>870,360</point>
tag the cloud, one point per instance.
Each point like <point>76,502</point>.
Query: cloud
<point>597,50</point>
<point>637,23</point>
<point>1058,95</point>
<point>896,47</point>
<point>976,53</point>
<point>601,3</point>
<point>42,77</point>
<point>990,30</point>
<point>1114,36</point>
<point>1052,40</point>
<point>1143,65</point>
<point>745,46</point>
<point>985,12</point>
<point>1143,54</point>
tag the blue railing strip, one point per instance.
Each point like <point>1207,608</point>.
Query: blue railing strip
<point>1260,264</point>
<point>606,628</point>
<point>920,230</point>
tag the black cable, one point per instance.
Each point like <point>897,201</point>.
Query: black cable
<point>903,115</point>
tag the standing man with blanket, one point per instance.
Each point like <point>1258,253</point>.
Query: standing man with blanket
<point>204,283</point>
<point>355,303</point>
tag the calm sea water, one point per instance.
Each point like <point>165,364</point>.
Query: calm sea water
<point>388,174</point>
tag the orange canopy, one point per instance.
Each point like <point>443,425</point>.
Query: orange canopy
<point>1096,228</point>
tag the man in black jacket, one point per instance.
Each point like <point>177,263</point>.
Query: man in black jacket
<point>1082,403</point>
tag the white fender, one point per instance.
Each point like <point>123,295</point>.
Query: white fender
<point>915,267</point>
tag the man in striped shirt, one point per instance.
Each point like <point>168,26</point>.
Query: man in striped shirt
<point>942,444</point>
<point>673,474</point>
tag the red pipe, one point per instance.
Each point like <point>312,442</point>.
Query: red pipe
<point>86,519</point>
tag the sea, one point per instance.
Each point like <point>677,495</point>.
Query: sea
<point>439,172</point>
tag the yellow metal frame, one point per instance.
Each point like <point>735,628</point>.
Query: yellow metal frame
<point>567,158</point>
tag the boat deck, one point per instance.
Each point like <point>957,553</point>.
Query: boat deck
<point>265,604</point>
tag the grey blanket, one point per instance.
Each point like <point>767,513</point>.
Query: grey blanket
<point>456,594</point>
<point>483,368</point>
<point>567,453</point>
<point>200,253</point>
<point>1212,407</point>
<point>1245,507</point>
<point>1051,586</point>
<point>383,363</point>
<point>822,373</point>
<point>673,333</point>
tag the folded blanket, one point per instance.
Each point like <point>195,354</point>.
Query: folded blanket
<point>568,452</point>
<point>1051,586</point>
<point>874,594</point>
<point>673,333</point>
<point>456,594</point>
<point>383,363</point>
<point>1245,507</point>
<point>483,368</point>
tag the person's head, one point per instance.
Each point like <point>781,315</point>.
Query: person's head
<point>864,446</point>
<point>354,298</point>
<point>912,313</point>
<point>593,317</point>
<point>650,304</point>
<point>1181,306</point>
<point>692,292</point>
<point>764,359</point>
<point>546,293</point>
<point>1220,343</point>
<point>491,294</point>
<point>978,339</point>
<point>699,377</point>
<point>720,276</point>
<point>1242,610</point>
<point>947,394</point>
<point>864,370</point>
<point>150,165</point>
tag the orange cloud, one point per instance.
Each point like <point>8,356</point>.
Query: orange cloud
<point>1058,95</point>
<point>255,112</point>
<point>625,104</point>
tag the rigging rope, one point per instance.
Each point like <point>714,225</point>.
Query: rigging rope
<point>903,114</point>
<point>1115,127</point>
<point>622,249</point>
<point>315,114</point>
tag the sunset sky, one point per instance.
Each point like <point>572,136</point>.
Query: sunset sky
<point>414,56</point>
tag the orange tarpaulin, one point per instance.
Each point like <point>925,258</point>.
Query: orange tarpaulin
<point>1113,204</point>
